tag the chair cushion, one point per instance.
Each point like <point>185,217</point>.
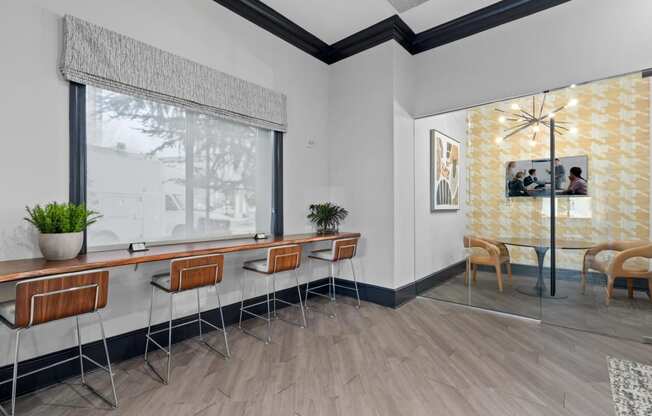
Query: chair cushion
<point>326,254</point>
<point>8,311</point>
<point>161,280</point>
<point>257,265</point>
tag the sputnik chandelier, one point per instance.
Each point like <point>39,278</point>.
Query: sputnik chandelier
<point>518,119</point>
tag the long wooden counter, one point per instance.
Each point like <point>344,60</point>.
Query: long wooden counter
<point>14,270</point>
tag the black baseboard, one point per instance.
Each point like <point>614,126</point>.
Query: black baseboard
<point>132,344</point>
<point>439,277</point>
<point>570,275</point>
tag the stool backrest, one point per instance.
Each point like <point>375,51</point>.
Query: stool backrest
<point>283,258</point>
<point>193,272</point>
<point>46,299</point>
<point>345,248</point>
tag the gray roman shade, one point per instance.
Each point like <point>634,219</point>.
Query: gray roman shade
<point>96,56</point>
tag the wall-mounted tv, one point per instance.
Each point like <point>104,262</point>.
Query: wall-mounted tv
<point>532,178</point>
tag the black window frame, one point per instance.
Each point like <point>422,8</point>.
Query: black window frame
<point>77,192</point>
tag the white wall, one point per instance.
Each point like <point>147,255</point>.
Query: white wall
<point>578,41</point>
<point>438,235</point>
<point>404,89</point>
<point>34,116</point>
<point>361,155</point>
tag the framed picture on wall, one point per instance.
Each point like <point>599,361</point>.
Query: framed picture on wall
<point>444,172</point>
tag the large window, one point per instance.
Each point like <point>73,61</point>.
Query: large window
<point>160,173</point>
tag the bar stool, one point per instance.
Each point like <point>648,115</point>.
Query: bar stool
<point>186,274</point>
<point>279,259</point>
<point>52,298</point>
<point>342,249</point>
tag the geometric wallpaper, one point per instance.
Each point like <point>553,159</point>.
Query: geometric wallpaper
<point>612,128</point>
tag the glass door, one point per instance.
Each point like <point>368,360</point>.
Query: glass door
<point>603,210</point>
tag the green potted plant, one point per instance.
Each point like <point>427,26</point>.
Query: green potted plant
<point>61,228</point>
<point>327,216</point>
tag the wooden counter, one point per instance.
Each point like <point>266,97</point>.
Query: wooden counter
<point>14,270</point>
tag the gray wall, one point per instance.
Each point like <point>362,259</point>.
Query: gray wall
<point>34,109</point>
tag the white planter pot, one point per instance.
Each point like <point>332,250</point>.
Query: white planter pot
<point>63,246</point>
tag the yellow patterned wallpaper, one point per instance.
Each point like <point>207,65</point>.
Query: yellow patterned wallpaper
<point>612,119</point>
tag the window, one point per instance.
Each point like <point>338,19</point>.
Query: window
<point>161,173</point>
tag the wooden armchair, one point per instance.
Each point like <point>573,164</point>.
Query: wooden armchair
<point>616,268</point>
<point>496,255</point>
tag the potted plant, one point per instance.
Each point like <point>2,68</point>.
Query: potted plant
<point>326,216</point>
<point>61,228</point>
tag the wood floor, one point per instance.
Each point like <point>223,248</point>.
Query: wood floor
<point>628,318</point>
<point>426,358</point>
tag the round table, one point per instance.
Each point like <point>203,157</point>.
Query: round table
<point>541,247</point>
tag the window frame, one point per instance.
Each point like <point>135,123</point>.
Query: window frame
<point>77,191</point>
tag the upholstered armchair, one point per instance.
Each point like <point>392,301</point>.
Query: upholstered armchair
<point>615,267</point>
<point>490,253</point>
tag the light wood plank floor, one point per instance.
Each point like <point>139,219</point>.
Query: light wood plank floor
<point>628,318</point>
<point>426,358</point>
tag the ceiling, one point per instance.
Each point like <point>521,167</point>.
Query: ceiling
<point>334,20</point>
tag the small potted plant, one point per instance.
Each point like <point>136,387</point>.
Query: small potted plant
<point>327,216</point>
<point>61,228</point>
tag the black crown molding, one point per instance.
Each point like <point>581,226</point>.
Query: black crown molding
<point>393,27</point>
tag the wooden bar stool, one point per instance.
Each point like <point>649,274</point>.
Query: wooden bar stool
<point>279,259</point>
<point>52,298</point>
<point>341,250</point>
<point>186,274</point>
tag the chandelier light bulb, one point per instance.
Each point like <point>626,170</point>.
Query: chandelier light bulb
<point>499,140</point>
<point>573,102</point>
<point>502,119</point>
<point>515,106</point>
<point>573,130</point>
<point>573,86</point>
<point>551,115</point>
<point>535,128</point>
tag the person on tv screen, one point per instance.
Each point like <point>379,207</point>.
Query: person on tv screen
<point>516,187</point>
<point>578,185</point>
<point>530,178</point>
<point>560,174</point>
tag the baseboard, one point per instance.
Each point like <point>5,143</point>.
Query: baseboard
<point>570,275</point>
<point>132,344</point>
<point>440,276</point>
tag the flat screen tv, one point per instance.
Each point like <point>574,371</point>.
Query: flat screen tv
<point>532,178</point>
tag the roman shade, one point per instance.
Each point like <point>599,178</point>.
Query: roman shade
<point>96,56</point>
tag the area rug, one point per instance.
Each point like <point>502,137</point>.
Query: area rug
<point>631,387</point>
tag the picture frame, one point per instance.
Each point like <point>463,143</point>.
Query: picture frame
<point>445,170</point>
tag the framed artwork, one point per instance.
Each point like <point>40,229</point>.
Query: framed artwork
<point>444,172</point>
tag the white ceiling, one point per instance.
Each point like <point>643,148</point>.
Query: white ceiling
<point>436,12</point>
<point>333,20</point>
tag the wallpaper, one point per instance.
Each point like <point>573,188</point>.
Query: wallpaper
<point>610,124</point>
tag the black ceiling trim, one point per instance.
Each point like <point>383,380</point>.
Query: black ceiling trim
<point>391,28</point>
<point>486,18</point>
<point>269,19</point>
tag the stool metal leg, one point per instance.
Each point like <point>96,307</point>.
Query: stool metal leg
<point>14,381</point>
<point>310,272</point>
<point>226,341</point>
<point>333,280</point>
<point>108,359</point>
<point>274,294</point>
<point>269,317</point>
<point>170,339</point>
<point>355,281</point>
<point>201,335</point>
<point>81,358</point>
<point>303,312</point>
<point>242,291</point>
<point>149,322</point>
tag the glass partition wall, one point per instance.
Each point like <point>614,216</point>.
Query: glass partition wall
<point>539,206</point>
